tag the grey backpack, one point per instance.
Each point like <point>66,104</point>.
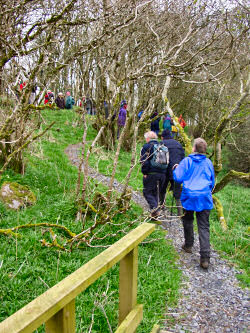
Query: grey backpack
<point>160,156</point>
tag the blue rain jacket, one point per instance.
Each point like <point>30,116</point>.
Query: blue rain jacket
<point>196,173</point>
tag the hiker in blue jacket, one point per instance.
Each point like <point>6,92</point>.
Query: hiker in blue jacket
<point>196,173</point>
<point>153,177</point>
<point>167,123</point>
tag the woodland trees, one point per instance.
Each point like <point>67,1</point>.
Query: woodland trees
<point>184,56</point>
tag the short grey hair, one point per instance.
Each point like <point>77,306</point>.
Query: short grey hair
<point>150,135</point>
<point>200,146</point>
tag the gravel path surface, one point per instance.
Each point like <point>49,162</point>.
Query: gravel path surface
<point>212,301</point>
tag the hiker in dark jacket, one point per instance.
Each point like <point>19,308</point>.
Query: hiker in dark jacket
<point>196,173</point>
<point>153,177</point>
<point>89,105</point>
<point>60,101</point>
<point>155,124</point>
<point>176,154</point>
<point>121,117</point>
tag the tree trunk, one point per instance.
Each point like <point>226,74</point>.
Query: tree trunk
<point>220,214</point>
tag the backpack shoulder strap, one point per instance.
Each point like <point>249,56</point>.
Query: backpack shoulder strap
<point>150,150</point>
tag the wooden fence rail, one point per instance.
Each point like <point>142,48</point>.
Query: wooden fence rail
<point>56,307</point>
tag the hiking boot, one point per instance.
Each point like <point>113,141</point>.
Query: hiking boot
<point>204,263</point>
<point>187,249</point>
<point>155,215</point>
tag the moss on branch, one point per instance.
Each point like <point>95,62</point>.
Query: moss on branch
<point>10,231</point>
<point>231,175</point>
<point>220,213</point>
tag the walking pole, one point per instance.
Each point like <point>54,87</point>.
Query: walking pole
<point>158,194</point>
<point>171,210</point>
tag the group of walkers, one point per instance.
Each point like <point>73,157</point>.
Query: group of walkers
<point>163,162</point>
<point>168,124</point>
<point>67,102</point>
<point>191,181</point>
<point>88,104</point>
<point>61,101</point>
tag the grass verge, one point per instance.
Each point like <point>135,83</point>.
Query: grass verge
<point>28,269</point>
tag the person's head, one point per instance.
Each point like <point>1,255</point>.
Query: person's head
<point>150,136</point>
<point>68,93</point>
<point>199,146</point>
<point>123,103</point>
<point>60,94</point>
<point>166,134</point>
<point>154,115</point>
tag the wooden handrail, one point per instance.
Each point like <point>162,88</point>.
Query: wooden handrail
<point>56,307</point>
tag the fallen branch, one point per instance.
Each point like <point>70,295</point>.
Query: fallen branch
<point>8,232</point>
<point>51,225</point>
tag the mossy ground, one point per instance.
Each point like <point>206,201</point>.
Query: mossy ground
<point>17,192</point>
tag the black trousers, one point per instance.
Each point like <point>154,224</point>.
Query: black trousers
<point>152,186</point>
<point>175,187</point>
<point>203,230</point>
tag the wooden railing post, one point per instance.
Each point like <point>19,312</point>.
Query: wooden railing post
<point>128,283</point>
<point>63,321</point>
<point>56,306</point>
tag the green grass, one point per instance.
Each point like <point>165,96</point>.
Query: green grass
<point>233,244</point>
<point>28,269</point>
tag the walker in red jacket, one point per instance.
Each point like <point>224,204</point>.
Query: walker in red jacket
<point>48,98</point>
<point>182,121</point>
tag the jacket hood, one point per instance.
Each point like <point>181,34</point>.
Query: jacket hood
<point>198,158</point>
